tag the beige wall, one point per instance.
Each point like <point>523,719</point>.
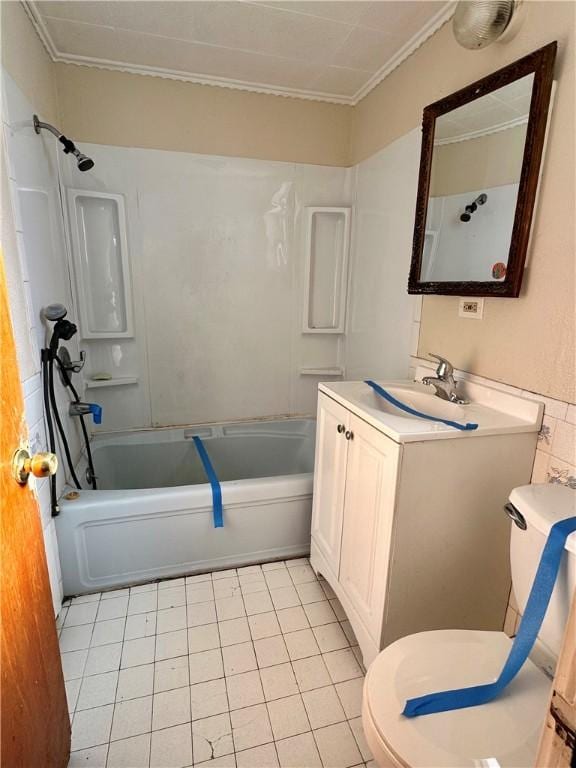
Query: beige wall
<point>529,341</point>
<point>25,58</point>
<point>476,164</point>
<point>127,110</point>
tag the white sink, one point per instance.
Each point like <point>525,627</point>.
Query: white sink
<point>494,411</point>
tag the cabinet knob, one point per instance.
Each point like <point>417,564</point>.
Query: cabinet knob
<point>349,435</point>
<point>340,428</point>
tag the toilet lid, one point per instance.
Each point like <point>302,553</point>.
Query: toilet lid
<point>504,733</point>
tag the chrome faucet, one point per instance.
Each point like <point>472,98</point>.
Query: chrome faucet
<point>444,382</point>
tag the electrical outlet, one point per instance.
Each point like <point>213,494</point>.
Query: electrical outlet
<point>473,308</point>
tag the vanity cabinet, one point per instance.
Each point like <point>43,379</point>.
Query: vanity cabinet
<point>412,536</point>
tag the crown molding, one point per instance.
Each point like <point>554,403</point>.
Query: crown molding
<point>497,128</point>
<point>432,26</point>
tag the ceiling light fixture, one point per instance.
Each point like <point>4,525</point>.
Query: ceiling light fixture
<point>479,23</point>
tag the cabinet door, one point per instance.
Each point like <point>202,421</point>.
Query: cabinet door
<point>329,479</point>
<point>367,527</point>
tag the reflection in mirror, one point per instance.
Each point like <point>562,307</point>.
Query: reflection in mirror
<point>474,180</point>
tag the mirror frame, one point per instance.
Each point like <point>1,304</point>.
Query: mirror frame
<point>541,64</point>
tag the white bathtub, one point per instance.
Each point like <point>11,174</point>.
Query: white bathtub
<point>152,516</point>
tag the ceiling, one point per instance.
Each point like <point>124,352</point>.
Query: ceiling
<point>316,49</point>
<point>506,107</point>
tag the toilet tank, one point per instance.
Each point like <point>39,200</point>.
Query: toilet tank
<point>542,505</point>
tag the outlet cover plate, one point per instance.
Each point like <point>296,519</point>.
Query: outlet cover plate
<point>472,308</point>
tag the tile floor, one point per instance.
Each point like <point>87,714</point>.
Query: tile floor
<point>247,668</point>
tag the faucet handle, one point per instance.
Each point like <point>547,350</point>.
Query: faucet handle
<point>444,368</point>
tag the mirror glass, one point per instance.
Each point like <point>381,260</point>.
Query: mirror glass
<point>474,179</point>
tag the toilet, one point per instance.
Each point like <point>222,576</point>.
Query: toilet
<point>506,732</point>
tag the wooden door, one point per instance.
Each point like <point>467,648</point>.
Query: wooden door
<point>35,727</point>
<point>367,528</point>
<point>329,479</point>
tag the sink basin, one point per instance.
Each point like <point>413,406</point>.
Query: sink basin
<point>493,410</point>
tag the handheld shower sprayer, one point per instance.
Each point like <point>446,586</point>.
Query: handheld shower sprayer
<point>83,162</point>
<point>472,207</point>
<point>63,329</point>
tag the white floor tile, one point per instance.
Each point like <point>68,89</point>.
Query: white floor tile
<point>171,620</point>
<point>140,625</point>
<point>350,695</point>
<point>198,578</point>
<point>226,761</point>
<point>311,592</point>
<point>292,619</point>
<point>115,608</point>
<point>205,666</point>
<point>264,625</point>
<point>244,690</point>
<point>73,664</point>
<point>171,673</point>
<point>201,613</point>
<point>284,597</point>
<point>95,757</point>
<point>338,610</point>
<point>130,753</point>
<point>106,632</point>
<point>84,613</point>
<point>278,681</point>
<point>199,593</point>
<point>234,631</point>
<point>320,613</point>
<point>278,578</point>
<point>72,691</point>
<point>296,561</point>
<point>131,718</point>
<point>97,690</point>
<point>171,747</point>
<point>171,708</point>
<point>328,591</point>
<point>337,746</point>
<point>208,699</point>
<point>298,751</point>
<point>311,673</point>
<point>91,727</point>
<point>140,588</point>
<point>135,682</point>
<point>203,638</point>
<point>143,602</point>
<point>258,602</point>
<point>273,566</point>
<point>358,731</point>
<point>171,644</point>
<point>288,717</point>
<point>103,658</point>
<point>171,584</point>
<point>301,644</point>
<point>251,727</point>
<point>342,665</point>
<point>230,608</point>
<point>239,658</point>
<point>123,592</point>
<point>258,757</point>
<point>223,574</point>
<point>212,737</point>
<point>330,637</point>
<point>302,574</point>
<point>323,707</point>
<point>171,598</point>
<point>137,652</point>
<point>271,651</point>
<point>76,638</point>
<point>226,588</point>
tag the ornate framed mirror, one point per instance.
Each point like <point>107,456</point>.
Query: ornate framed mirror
<point>479,167</point>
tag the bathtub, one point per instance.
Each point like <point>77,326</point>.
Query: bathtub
<point>152,514</point>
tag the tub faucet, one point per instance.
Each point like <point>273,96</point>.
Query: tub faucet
<point>444,382</point>
<point>84,409</point>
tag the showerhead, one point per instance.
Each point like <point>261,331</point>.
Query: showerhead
<point>473,206</point>
<point>63,329</point>
<point>83,162</point>
<point>54,312</point>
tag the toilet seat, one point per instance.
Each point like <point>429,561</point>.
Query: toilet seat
<point>502,734</point>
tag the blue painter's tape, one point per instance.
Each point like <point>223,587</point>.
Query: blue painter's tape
<point>403,407</point>
<point>536,606</point>
<point>214,482</point>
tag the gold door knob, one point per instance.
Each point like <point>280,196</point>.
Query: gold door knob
<point>40,465</point>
